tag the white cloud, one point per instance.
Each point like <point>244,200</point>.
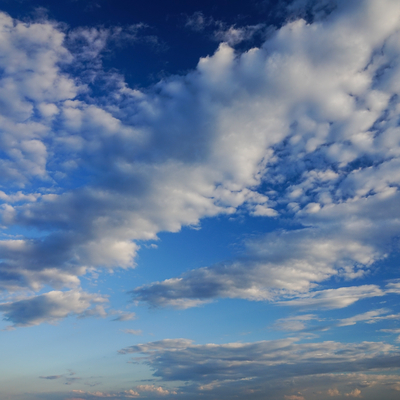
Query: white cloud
<point>313,113</point>
<point>336,298</point>
<point>279,264</point>
<point>295,323</point>
<point>369,317</point>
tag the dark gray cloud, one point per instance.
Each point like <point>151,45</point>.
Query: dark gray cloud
<point>51,377</point>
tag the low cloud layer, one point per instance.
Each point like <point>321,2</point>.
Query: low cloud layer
<point>244,366</point>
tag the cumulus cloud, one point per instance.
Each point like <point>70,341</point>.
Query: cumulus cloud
<point>311,115</point>
<point>51,307</point>
<point>325,154</point>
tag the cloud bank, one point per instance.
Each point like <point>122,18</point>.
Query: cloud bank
<point>303,127</point>
<point>248,367</point>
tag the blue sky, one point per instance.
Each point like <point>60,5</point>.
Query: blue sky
<point>199,199</point>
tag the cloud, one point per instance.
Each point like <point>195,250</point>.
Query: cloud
<point>50,307</point>
<point>295,323</point>
<point>311,115</point>
<point>212,362</point>
<point>126,394</point>
<point>369,317</point>
<point>354,393</point>
<point>294,397</point>
<point>299,323</point>
<point>51,377</point>
<point>266,366</point>
<point>323,157</point>
<point>276,265</point>
<point>335,298</point>
<point>125,317</point>
<point>132,331</point>
<point>89,45</point>
<point>154,389</point>
<point>222,32</point>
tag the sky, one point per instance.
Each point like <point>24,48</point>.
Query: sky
<point>199,199</point>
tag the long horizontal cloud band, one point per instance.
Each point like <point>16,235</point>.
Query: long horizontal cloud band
<point>181,360</point>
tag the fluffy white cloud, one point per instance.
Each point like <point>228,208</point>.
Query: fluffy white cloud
<point>311,115</point>
<point>324,134</point>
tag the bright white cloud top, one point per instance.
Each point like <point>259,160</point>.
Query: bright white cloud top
<point>302,131</point>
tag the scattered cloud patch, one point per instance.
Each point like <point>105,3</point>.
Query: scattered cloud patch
<point>354,393</point>
<point>294,397</point>
<point>51,377</point>
<point>333,392</point>
<point>125,317</point>
<point>154,389</point>
<point>335,298</point>
<point>126,394</point>
<point>50,307</point>
<point>136,332</point>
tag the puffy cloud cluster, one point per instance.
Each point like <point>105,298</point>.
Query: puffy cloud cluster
<point>328,114</point>
<point>306,126</point>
